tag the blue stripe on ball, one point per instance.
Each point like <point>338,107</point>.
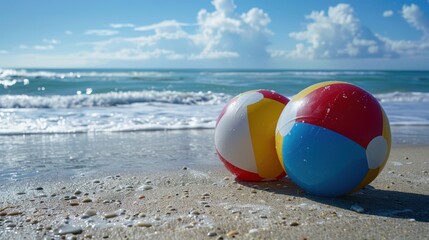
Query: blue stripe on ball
<point>322,161</point>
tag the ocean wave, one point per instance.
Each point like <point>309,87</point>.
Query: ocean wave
<point>136,117</point>
<point>21,73</point>
<point>9,83</point>
<point>410,124</point>
<point>293,73</point>
<point>403,97</point>
<point>112,99</point>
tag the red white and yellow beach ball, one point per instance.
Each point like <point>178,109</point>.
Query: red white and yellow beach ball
<point>333,138</point>
<point>244,135</point>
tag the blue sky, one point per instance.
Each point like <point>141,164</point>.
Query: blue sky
<point>301,34</point>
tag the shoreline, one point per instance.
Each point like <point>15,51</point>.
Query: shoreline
<point>201,201</point>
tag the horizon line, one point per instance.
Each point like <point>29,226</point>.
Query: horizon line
<point>211,69</point>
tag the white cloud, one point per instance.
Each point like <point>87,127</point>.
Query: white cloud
<point>388,13</point>
<point>3,51</point>
<point>168,25</point>
<point>225,35</point>
<point>257,19</point>
<point>121,25</point>
<point>101,32</point>
<point>22,46</point>
<point>129,54</point>
<point>415,17</point>
<point>51,41</point>
<point>68,32</point>
<point>43,47</point>
<point>219,34</point>
<point>337,34</point>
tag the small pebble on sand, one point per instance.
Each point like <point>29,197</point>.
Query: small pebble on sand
<point>87,200</point>
<point>357,208</point>
<point>195,212</point>
<point>253,230</point>
<point>144,224</point>
<point>67,229</point>
<point>110,215</point>
<point>232,233</point>
<point>14,213</point>
<point>211,234</point>
<point>89,213</point>
<point>145,188</point>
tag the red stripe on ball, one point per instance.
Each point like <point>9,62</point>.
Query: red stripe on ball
<point>240,173</point>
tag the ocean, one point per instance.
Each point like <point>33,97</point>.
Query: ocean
<point>80,121</point>
<point>104,100</point>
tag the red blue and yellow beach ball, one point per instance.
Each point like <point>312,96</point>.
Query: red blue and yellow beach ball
<point>333,138</point>
<point>244,135</point>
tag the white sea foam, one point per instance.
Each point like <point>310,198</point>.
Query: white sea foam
<point>403,97</point>
<point>334,73</point>
<point>112,99</point>
<point>6,83</point>
<point>15,73</point>
<point>134,117</point>
<point>293,73</point>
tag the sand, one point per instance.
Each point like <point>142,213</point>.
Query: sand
<point>206,202</point>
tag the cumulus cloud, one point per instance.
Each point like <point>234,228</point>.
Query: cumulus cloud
<point>225,34</point>
<point>388,13</point>
<point>217,34</point>
<point>337,34</point>
<point>3,51</point>
<point>416,19</point>
<point>257,19</point>
<point>121,25</point>
<point>22,46</point>
<point>101,32</point>
<point>68,32</point>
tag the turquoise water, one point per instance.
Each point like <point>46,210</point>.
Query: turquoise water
<point>69,81</point>
<point>42,109</point>
<point>110,100</point>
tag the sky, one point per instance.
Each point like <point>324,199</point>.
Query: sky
<point>247,34</point>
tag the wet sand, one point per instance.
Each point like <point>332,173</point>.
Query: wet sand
<point>206,202</point>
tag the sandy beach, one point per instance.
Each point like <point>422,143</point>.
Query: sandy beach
<point>204,201</point>
<point>108,114</point>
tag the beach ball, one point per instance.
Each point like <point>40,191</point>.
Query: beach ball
<point>244,135</point>
<point>333,138</point>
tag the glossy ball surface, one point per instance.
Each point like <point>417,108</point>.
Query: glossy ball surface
<point>333,138</point>
<point>244,135</point>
